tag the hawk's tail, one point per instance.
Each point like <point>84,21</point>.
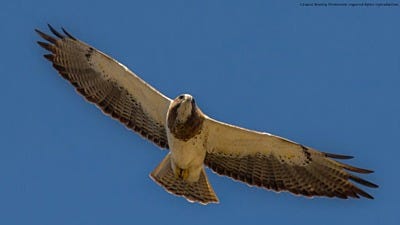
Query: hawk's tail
<point>200,191</point>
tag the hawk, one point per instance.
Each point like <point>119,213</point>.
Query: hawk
<point>194,139</point>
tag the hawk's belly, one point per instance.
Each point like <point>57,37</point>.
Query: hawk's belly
<point>188,155</point>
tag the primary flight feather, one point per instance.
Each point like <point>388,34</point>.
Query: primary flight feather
<point>193,138</point>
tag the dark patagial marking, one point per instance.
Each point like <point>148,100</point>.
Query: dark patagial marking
<point>89,53</point>
<point>188,129</point>
<point>306,153</point>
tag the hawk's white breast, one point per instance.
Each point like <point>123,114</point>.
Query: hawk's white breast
<point>188,154</point>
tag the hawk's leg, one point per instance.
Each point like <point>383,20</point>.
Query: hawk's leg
<point>180,173</point>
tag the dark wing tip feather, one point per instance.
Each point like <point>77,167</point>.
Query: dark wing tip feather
<point>46,46</point>
<point>337,156</point>
<point>49,57</point>
<point>355,169</point>
<point>346,166</point>
<point>68,34</point>
<point>59,68</point>
<point>363,193</point>
<point>55,32</point>
<point>46,37</point>
<point>363,182</point>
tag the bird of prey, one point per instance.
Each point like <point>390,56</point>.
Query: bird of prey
<point>195,140</point>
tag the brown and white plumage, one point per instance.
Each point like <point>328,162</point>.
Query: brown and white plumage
<point>268,161</point>
<point>194,139</point>
<point>115,89</point>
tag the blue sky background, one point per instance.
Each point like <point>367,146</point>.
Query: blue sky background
<point>327,77</point>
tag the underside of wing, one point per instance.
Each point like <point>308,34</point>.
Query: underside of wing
<point>268,161</point>
<point>115,89</point>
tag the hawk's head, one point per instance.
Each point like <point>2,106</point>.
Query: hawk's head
<point>185,106</point>
<point>184,118</point>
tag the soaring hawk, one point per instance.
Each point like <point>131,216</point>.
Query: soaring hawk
<point>194,139</point>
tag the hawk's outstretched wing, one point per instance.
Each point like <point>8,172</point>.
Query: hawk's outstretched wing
<point>272,162</point>
<point>115,89</point>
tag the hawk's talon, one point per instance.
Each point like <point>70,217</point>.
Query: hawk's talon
<point>181,173</point>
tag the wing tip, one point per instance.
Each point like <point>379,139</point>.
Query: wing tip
<point>346,166</point>
<point>355,169</point>
<point>49,57</point>
<point>56,33</point>
<point>46,36</point>
<point>337,156</point>
<point>364,194</point>
<point>68,34</point>
<point>363,182</point>
<point>47,46</point>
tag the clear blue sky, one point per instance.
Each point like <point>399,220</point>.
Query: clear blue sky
<point>327,77</point>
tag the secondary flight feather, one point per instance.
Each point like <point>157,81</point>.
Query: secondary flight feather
<point>195,140</point>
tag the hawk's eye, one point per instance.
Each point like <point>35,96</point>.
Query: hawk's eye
<point>193,101</point>
<point>181,97</point>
